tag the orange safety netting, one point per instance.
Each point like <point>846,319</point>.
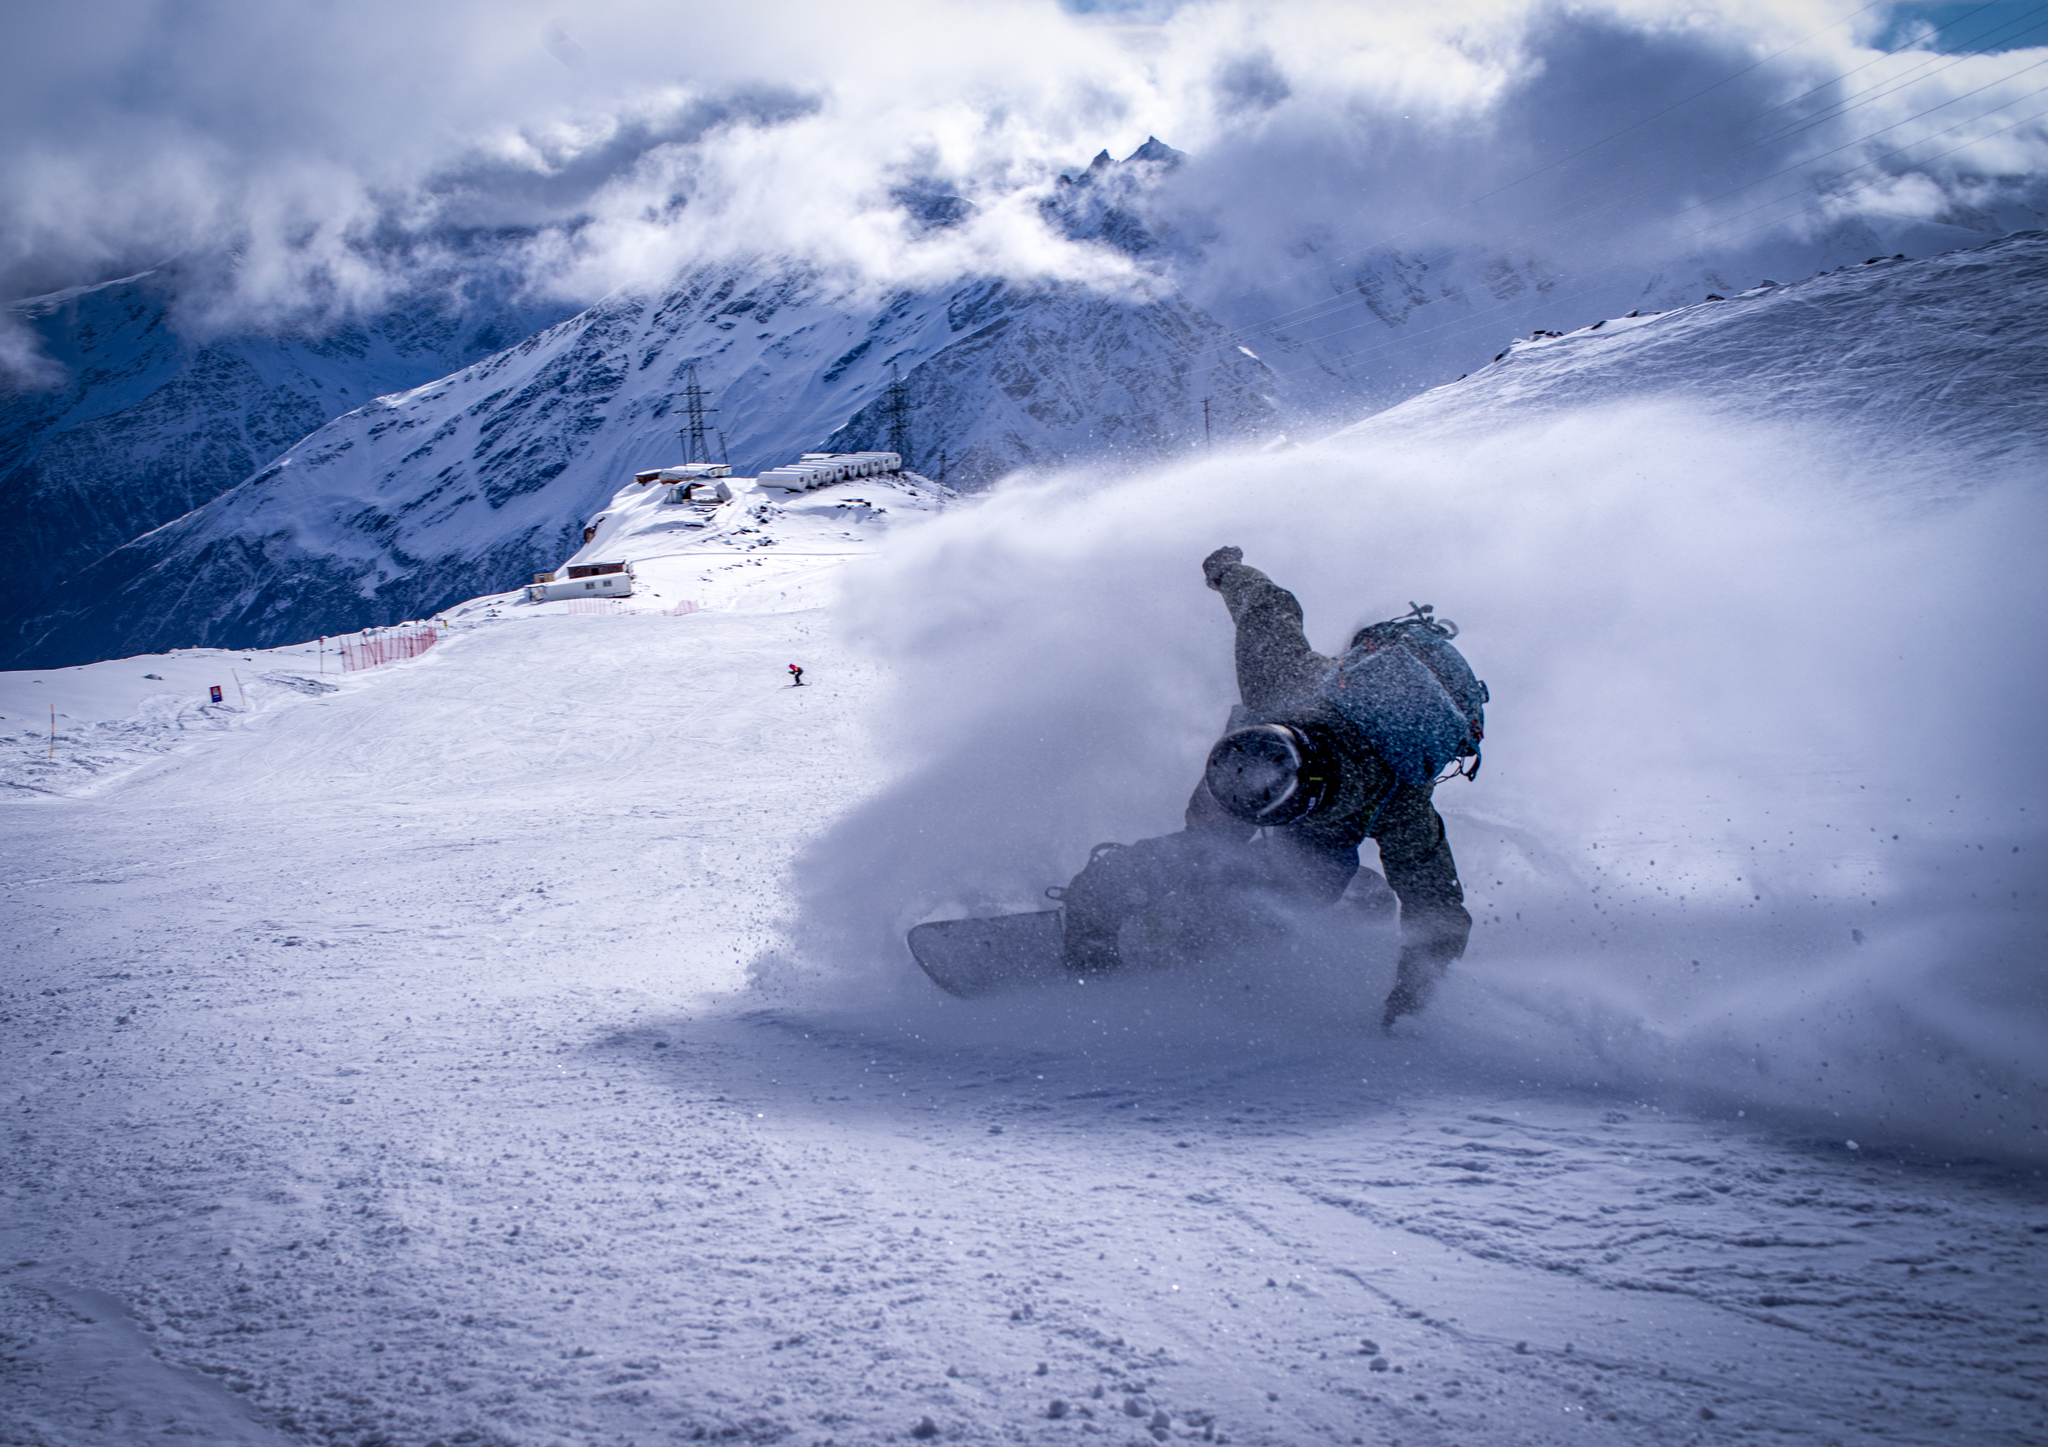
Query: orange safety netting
<point>385,645</point>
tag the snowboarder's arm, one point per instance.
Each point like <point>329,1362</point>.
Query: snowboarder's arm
<point>1422,874</point>
<point>1434,921</point>
<point>1274,662</point>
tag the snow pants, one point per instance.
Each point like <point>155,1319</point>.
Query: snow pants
<point>1217,876</point>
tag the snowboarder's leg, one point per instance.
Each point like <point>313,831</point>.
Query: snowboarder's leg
<point>1122,880</point>
<point>1304,870</point>
<point>1109,889</point>
<point>1216,869</point>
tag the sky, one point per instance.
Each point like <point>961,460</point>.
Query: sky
<point>307,160</point>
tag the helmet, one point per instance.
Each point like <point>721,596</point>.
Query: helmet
<point>1272,773</point>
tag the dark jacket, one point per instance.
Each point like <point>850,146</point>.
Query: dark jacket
<point>1279,678</point>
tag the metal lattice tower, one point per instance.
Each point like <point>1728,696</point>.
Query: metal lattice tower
<point>695,447</point>
<point>896,407</point>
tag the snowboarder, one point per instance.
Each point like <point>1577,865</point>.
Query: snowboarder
<point>796,676</point>
<point>1321,755</point>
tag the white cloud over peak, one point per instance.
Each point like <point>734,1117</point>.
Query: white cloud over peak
<point>307,158</point>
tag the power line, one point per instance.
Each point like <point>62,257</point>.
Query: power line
<point>1450,330</point>
<point>1577,213</point>
<point>1889,175</point>
<point>1336,305</point>
<point>1339,305</point>
<point>1873,135</point>
<point>1870,96</point>
<point>1875,59</point>
<point>1595,145</point>
<point>1655,115</point>
<point>1866,185</point>
<point>1453,329</point>
<point>1580,216</point>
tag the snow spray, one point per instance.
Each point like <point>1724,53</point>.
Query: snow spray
<point>1755,833</point>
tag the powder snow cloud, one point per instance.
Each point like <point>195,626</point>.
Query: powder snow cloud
<point>306,159</point>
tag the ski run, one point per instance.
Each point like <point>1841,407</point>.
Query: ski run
<point>514,1044</point>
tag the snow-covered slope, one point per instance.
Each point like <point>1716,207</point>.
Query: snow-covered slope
<point>147,423</point>
<point>516,1044</point>
<point>1352,333</point>
<point>380,1064</point>
<point>1942,360</point>
<point>68,730</point>
<point>76,729</point>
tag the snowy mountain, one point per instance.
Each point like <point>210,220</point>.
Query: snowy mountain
<point>990,377</point>
<point>1344,331</point>
<point>149,423</point>
<point>468,485</point>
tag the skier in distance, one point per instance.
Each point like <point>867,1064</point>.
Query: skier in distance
<point>1321,754</point>
<point>796,676</point>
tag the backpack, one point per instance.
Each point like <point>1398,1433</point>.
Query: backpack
<point>1413,696</point>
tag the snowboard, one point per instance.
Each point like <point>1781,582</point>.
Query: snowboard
<point>970,957</point>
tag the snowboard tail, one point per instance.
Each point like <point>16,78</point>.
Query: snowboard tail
<point>971,957</point>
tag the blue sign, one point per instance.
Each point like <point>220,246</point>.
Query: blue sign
<point>216,693</point>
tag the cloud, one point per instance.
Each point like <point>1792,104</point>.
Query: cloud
<point>1250,81</point>
<point>310,159</point>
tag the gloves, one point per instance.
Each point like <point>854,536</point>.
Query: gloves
<point>1216,562</point>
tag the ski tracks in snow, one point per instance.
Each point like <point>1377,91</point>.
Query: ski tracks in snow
<point>382,1073</point>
